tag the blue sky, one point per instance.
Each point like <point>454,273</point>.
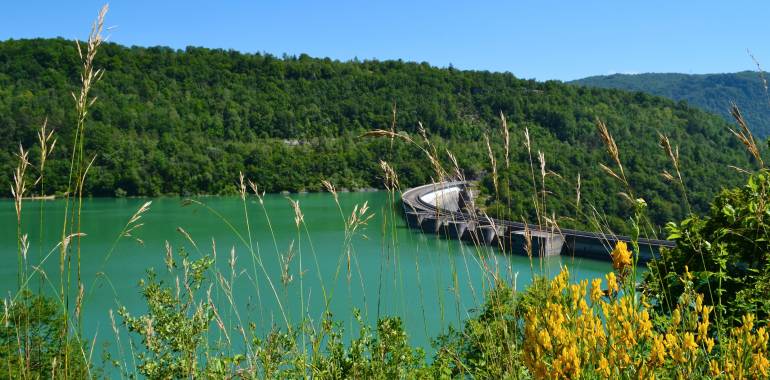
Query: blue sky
<point>533,39</point>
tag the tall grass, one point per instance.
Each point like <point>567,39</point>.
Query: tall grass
<point>195,325</point>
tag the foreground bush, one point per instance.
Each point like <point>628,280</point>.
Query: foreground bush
<point>727,253</point>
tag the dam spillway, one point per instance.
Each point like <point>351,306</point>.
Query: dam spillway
<point>446,209</point>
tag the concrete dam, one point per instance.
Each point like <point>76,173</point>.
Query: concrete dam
<point>446,209</point>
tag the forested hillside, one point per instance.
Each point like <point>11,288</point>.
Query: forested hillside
<point>710,92</point>
<point>187,121</point>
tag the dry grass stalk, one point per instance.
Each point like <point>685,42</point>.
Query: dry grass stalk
<point>614,152</point>
<point>761,74</point>
<point>79,301</point>
<point>187,236</point>
<point>673,154</point>
<point>358,219</point>
<point>577,192</point>
<point>47,145</point>
<point>506,139</point>
<point>88,76</point>
<point>140,212</point>
<point>744,134</point>
<point>24,246</point>
<point>543,174</point>
<point>535,201</point>
<point>298,217</point>
<point>609,143</point>
<point>528,241</point>
<point>428,149</point>
<point>6,316</point>
<point>393,126</point>
<point>68,239</point>
<point>432,154</point>
<point>133,223</point>
<point>19,186</point>
<point>456,166</point>
<point>611,172</point>
<point>330,188</point>
<point>553,223</point>
<point>169,260</point>
<point>286,259</point>
<point>492,162</point>
<point>217,318</point>
<point>255,190</point>
<point>391,178</point>
<point>233,260</point>
<point>739,170</point>
<point>82,180</point>
<point>541,160</point>
<point>242,185</point>
<point>527,142</point>
<point>54,366</point>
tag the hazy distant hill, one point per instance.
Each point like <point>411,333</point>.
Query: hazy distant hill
<point>711,92</point>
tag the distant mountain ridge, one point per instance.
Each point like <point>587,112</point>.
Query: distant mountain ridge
<point>710,92</point>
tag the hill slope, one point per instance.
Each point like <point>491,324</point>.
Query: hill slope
<point>185,122</point>
<point>710,92</point>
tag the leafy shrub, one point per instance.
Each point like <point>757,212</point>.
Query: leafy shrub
<point>33,343</point>
<point>727,252</point>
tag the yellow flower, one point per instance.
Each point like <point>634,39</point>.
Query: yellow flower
<point>748,322</point>
<point>760,366</point>
<point>689,342</point>
<point>604,367</point>
<point>596,290</point>
<point>544,340</point>
<point>574,290</point>
<point>645,324</point>
<point>658,351</point>
<point>621,257</point>
<point>676,318</point>
<point>612,282</point>
<point>714,368</point>
<point>703,329</point>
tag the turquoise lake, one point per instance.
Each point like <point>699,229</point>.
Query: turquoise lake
<point>430,282</point>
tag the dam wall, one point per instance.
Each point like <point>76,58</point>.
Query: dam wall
<point>447,209</point>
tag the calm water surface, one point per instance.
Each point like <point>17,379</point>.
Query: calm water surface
<point>429,282</point>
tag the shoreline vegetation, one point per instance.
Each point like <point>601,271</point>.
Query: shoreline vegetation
<point>701,312</point>
<point>284,192</point>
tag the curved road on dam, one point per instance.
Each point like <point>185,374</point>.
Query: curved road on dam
<point>440,208</point>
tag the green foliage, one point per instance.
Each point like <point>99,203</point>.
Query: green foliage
<point>727,252</point>
<point>489,344</point>
<point>709,92</point>
<point>176,330</point>
<point>188,121</point>
<point>385,354</point>
<point>32,343</point>
<point>173,332</point>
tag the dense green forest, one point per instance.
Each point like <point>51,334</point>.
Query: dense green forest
<point>710,92</point>
<point>188,121</point>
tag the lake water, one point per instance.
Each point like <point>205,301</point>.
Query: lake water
<point>429,282</point>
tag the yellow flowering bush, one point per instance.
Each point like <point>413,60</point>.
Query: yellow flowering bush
<point>595,331</point>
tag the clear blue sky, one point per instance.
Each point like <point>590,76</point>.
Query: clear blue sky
<point>534,39</point>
